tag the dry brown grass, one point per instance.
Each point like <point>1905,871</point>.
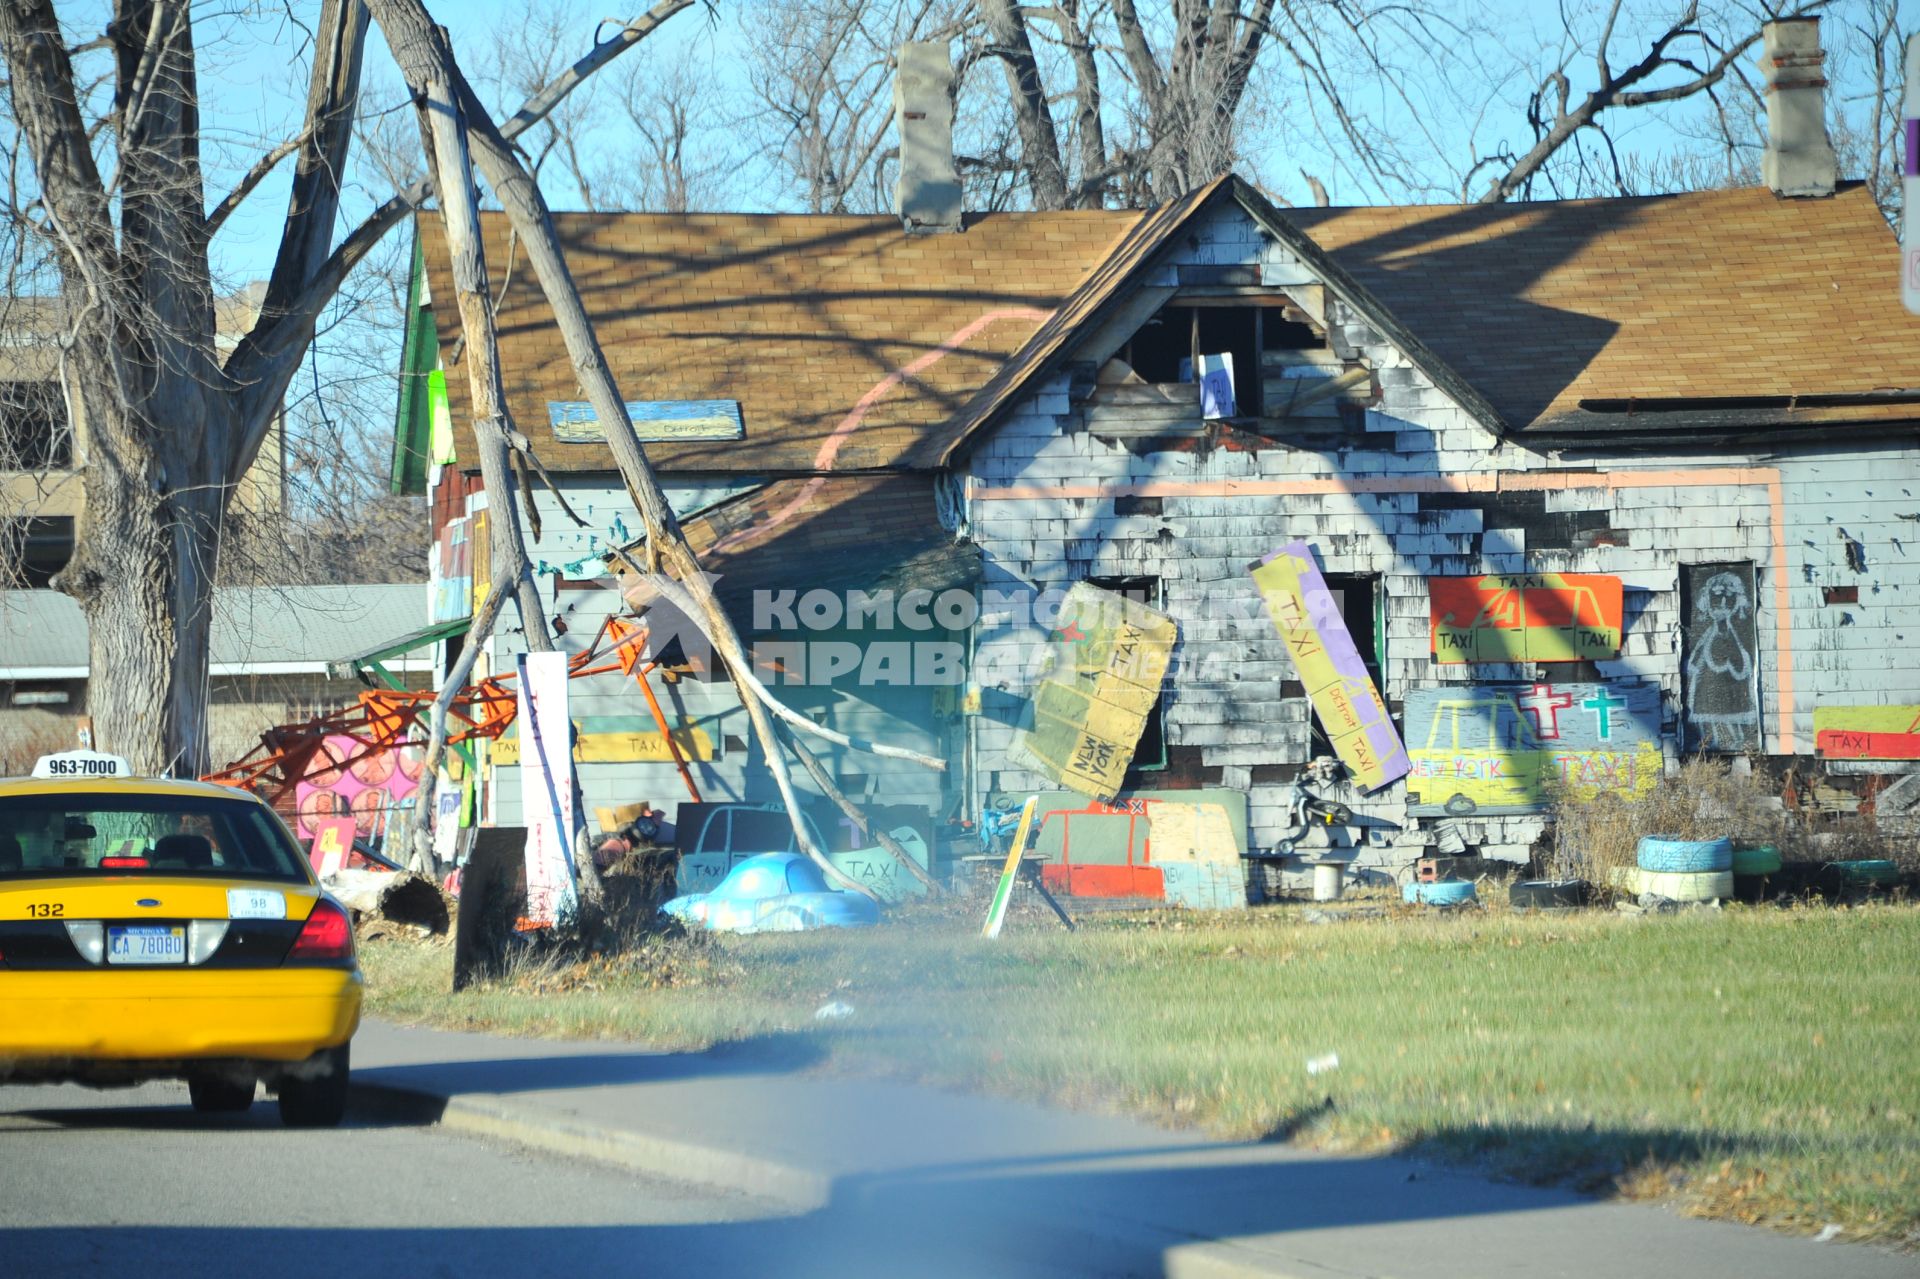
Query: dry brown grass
<point>1706,799</point>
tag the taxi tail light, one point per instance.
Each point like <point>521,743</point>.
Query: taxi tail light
<point>327,934</point>
<point>122,863</point>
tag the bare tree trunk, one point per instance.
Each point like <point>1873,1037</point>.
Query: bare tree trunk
<point>1039,141</point>
<point>444,130</point>
<point>170,425</point>
<point>427,62</point>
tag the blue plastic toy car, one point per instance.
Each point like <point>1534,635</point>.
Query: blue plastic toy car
<point>773,893</point>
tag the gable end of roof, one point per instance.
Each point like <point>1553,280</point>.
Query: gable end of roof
<point>1349,290</point>
<point>1114,279</point>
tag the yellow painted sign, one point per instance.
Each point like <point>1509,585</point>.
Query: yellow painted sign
<point>618,748</point>
<point>1337,683</point>
<point>1110,657</point>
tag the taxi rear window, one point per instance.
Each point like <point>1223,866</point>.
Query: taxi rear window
<point>87,835</point>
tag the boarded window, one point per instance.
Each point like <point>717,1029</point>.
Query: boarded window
<point>1721,670</point>
<point>1357,596</point>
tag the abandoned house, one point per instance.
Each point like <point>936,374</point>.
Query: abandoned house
<point>1489,502</point>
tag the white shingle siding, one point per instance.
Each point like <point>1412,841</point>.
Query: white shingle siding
<point>1203,542</point>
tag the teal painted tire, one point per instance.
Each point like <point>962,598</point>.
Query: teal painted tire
<point>1873,870</point>
<point>1446,892</point>
<point>1684,856</point>
<point>1762,859</point>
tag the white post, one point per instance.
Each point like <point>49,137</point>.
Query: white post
<point>1910,183</point>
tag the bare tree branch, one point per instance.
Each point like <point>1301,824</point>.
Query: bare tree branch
<point>1616,91</point>
<point>217,217</point>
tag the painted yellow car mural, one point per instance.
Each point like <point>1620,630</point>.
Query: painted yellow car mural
<point>157,929</point>
<point>1508,748</point>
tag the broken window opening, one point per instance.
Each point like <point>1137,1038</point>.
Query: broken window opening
<point>1150,755</point>
<point>1361,604</point>
<point>1166,348</point>
<point>1159,347</point>
<point>1279,334</point>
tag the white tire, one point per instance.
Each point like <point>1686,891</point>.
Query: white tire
<point>1678,885</point>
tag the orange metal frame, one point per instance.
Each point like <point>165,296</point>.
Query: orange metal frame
<point>384,719</point>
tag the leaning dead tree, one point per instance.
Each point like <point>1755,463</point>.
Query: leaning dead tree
<point>459,134</point>
<point>172,419</point>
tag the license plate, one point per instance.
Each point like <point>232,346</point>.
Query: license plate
<point>147,945</point>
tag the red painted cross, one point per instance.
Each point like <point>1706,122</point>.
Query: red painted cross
<point>1545,705</point>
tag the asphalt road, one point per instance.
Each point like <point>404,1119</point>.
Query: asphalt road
<point>132,1184</point>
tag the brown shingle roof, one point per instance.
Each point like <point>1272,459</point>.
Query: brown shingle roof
<point>1708,295</point>
<point>851,345</point>
<point>843,338</point>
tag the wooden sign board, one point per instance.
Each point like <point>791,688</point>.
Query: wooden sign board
<point>1526,617</point>
<point>1110,656</point>
<point>1308,618</point>
<point>655,421</point>
<point>1867,732</point>
<point>332,844</point>
<point>1510,748</point>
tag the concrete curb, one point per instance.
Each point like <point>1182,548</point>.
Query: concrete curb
<point>798,1189</point>
<point>1219,1260</point>
<point>491,1116</point>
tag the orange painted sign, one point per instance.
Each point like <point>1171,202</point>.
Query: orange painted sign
<point>1526,617</point>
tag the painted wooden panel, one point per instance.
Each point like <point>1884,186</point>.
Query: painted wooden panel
<point>1867,732</point>
<point>1531,617</point>
<point>575,422</point>
<point>1308,618</point>
<point>1493,748</point>
<point>1722,657</point>
<point>1110,655</point>
<point>619,746</point>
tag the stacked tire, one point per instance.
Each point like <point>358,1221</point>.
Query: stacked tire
<point>1683,870</point>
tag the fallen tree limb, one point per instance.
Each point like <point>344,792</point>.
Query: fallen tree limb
<point>824,780</point>
<point>392,895</point>
<point>680,599</point>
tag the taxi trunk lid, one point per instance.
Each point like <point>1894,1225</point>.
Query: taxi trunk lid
<point>150,921</point>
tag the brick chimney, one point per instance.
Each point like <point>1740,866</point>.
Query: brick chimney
<point>927,194</point>
<point>1799,159</point>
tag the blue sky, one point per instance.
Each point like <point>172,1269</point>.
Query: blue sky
<point>253,96</point>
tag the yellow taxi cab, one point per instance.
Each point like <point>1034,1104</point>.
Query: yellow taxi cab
<point>160,929</point>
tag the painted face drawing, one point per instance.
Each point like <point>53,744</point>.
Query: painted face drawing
<point>1720,698</point>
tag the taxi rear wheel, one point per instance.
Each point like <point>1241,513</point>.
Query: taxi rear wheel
<point>320,1100</point>
<point>220,1096</point>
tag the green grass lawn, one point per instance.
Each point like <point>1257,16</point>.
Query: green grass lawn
<point>1762,1065</point>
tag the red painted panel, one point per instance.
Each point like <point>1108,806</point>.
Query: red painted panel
<point>1115,881</point>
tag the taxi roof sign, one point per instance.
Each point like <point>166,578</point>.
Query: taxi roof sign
<point>81,764</point>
